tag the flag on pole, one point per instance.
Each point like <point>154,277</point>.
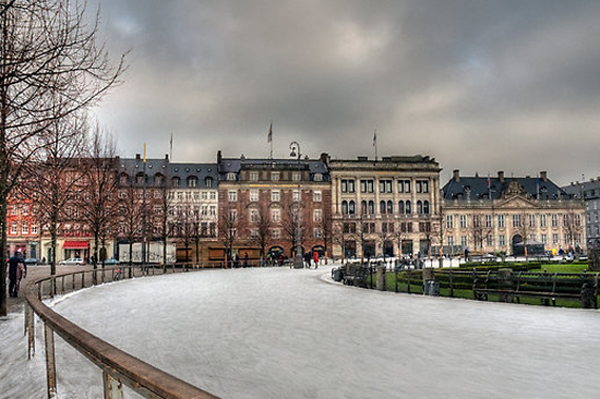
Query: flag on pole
<point>270,136</point>
<point>374,137</point>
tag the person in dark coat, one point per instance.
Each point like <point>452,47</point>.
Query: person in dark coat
<point>245,259</point>
<point>13,273</point>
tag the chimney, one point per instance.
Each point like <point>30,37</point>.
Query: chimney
<point>167,157</point>
<point>219,156</point>
<point>501,176</point>
<point>544,176</point>
<point>456,174</point>
<point>137,156</point>
<point>325,158</point>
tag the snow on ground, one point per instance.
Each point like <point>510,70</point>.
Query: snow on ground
<point>282,333</point>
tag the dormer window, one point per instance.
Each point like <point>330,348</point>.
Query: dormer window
<point>231,176</point>
<point>318,177</point>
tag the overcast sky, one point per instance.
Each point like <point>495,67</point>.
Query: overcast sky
<point>479,85</point>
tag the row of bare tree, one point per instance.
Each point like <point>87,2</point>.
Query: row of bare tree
<point>52,69</point>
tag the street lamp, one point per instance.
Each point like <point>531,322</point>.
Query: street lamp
<point>298,262</point>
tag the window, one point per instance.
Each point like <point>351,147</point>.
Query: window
<point>275,176</point>
<point>231,176</point>
<point>463,221</point>
<point>317,215</point>
<point>208,182</point>
<point>351,208</point>
<point>254,215</point>
<point>34,229</point>
<point>554,221</point>
<point>232,215</point>
<point>382,207</point>
<point>174,181</point>
<point>317,233</point>
<point>401,207</point>
<point>501,221</point>
<point>254,176</point>
<point>192,182</point>
<point>295,196</point>
<point>13,228</point>
<point>366,186</point>
<point>390,207</point>
<point>449,222</point>
<point>463,241</point>
<point>296,176</point>
<point>275,233</point>
<point>344,207</point>
<point>317,196</point>
<point>349,228</point>
<point>275,196</point>
<point>347,186</point>
<point>371,207</point>
<point>196,195</point>
<point>385,186</point>
<point>426,207</point>
<point>179,195</point>
<point>544,239</point>
<point>204,195</point>
<point>489,240</point>
<point>188,195</point>
<point>554,238</point>
<point>213,210</point>
<point>407,208</point>
<point>25,210</point>
<point>253,195</point>
<point>531,220</point>
<point>318,177</point>
<point>213,195</point>
<point>516,221</point>
<point>275,215</point>
<point>450,240</point>
<point>422,186</point>
<point>232,196</point>
<point>406,227</point>
<point>488,221</point>
<point>25,228</point>
<point>419,207</point>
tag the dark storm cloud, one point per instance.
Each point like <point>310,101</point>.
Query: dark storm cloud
<point>480,85</point>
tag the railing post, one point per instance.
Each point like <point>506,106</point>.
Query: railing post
<point>50,362</point>
<point>29,330</point>
<point>113,389</point>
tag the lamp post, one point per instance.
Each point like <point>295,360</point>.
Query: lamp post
<point>298,261</point>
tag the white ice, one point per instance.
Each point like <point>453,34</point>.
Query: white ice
<point>281,333</point>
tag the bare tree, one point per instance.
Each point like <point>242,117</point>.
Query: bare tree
<point>99,203</point>
<point>49,54</point>
<point>327,230</point>
<point>230,222</point>
<point>53,181</point>
<point>130,213</point>
<point>261,224</point>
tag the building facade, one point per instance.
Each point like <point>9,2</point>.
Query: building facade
<point>384,207</point>
<point>589,193</point>
<point>507,215</point>
<point>265,203</point>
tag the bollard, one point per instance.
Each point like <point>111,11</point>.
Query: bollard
<point>381,277</point>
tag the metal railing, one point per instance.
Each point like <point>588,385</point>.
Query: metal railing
<point>118,367</point>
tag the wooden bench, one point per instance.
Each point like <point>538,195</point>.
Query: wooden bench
<point>545,286</point>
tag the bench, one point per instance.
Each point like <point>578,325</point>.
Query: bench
<point>356,275</point>
<point>545,286</point>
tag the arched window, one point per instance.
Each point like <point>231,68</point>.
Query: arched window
<point>158,179</point>
<point>363,208</point>
<point>175,181</point>
<point>401,207</point>
<point>419,208</point>
<point>139,178</point>
<point>192,182</point>
<point>351,208</point>
<point>344,207</point>
<point>426,207</point>
<point>407,208</point>
<point>390,207</point>
<point>382,207</point>
<point>371,208</point>
<point>208,182</point>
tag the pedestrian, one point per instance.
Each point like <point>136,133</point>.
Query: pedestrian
<point>316,259</point>
<point>245,259</point>
<point>236,261</point>
<point>13,273</point>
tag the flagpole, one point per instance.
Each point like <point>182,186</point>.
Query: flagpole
<point>375,143</point>
<point>171,148</point>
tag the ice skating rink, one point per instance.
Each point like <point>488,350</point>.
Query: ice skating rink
<point>281,333</point>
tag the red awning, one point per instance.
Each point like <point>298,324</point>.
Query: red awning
<point>76,244</point>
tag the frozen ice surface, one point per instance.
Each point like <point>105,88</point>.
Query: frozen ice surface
<point>281,333</point>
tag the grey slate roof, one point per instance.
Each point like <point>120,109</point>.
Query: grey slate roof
<point>478,188</point>
<point>235,165</point>
<point>133,167</point>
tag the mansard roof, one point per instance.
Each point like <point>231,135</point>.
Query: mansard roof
<point>476,187</point>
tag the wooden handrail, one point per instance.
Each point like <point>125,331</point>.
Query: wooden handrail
<point>145,379</point>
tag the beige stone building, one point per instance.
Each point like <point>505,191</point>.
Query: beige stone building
<point>384,207</point>
<point>500,214</point>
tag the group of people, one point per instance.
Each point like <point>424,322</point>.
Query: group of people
<point>17,270</point>
<point>308,258</point>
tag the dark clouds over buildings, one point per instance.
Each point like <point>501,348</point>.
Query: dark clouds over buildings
<point>479,85</point>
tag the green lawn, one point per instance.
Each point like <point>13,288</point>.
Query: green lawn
<point>562,268</point>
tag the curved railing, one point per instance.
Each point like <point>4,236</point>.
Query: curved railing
<point>118,367</point>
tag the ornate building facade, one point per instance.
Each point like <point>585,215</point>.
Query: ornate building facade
<point>507,215</point>
<point>384,207</point>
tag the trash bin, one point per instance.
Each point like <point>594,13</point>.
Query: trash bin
<point>336,274</point>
